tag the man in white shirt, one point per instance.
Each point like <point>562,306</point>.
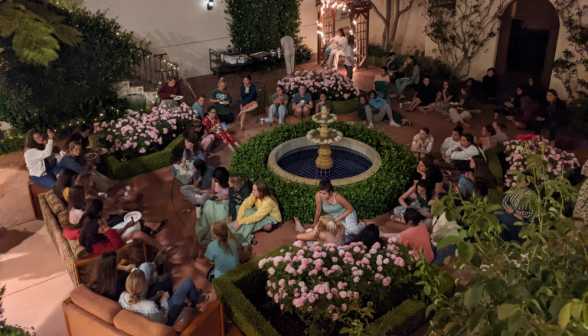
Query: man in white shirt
<point>289,54</point>
<point>461,154</point>
<point>450,142</point>
<point>349,57</point>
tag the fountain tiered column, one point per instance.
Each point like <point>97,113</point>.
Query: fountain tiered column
<point>324,137</point>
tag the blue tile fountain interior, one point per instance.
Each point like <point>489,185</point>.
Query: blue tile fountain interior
<point>346,163</point>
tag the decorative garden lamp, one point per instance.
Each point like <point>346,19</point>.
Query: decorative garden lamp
<point>210,4</point>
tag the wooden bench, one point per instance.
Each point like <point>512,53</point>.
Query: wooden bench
<point>34,192</point>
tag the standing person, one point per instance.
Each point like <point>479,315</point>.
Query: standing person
<point>489,86</point>
<point>424,98</point>
<point>447,144</point>
<point>487,140</point>
<point>412,75</point>
<point>221,99</point>
<point>338,42</point>
<point>392,65</point>
<point>223,251</point>
<point>199,106</point>
<point>248,99</point>
<point>553,116</point>
<point>422,143</point>
<point>279,106</point>
<point>213,124</point>
<point>349,56</point>
<point>323,101</point>
<point>302,103</point>
<point>289,54</point>
<point>39,160</point>
<point>378,108</point>
<point>168,91</point>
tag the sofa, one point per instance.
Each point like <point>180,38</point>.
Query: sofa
<point>89,314</point>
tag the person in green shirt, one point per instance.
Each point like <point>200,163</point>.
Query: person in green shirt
<point>323,102</point>
<point>221,99</point>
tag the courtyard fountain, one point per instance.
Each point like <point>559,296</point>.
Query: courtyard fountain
<point>324,137</point>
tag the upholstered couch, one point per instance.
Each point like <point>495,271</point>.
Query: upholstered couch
<point>89,314</point>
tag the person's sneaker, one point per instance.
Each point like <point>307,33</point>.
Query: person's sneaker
<point>406,122</point>
<point>198,209</point>
<point>401,96</point>
<point>393,123</point>
<point>371,125</point>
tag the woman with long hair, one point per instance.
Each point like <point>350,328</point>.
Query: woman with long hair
<point>217,188</point>
<point>338,43</point>
<point>279,105</point>
<point>248,99</point>
<point>39,160</point>
<point>223,251</point>
<point>459,115</point>
<point>427,171</point>
<point>212,122</point>
<point>461,154</point>
<point>192,153</point>
<point>412,75</point>
<point>478,181</point>
<point>424,194</point>
<point>500,136</point>
<point>328,231</point>
<point>259,211</point>
<point>553,117</point>
<point>487,140</point>
<point>221,99</point>
<point>443,100</point>
<point>65,180</point>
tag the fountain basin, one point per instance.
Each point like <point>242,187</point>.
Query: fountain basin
<point>347,154</point>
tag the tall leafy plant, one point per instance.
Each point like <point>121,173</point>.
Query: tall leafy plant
<point>258,25</point>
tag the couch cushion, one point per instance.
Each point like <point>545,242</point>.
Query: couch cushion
<point>78,250</point>
<point>63,218</point>
<point>138,325</point>
<point>57,206</point>
<point>83,323</point>
<point>95,304</point>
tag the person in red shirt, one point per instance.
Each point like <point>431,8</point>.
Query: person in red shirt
<point>416,237</point>
<point>168,91</point>
<point>97,237</point>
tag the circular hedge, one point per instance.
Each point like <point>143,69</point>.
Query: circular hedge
<point>370,197</point>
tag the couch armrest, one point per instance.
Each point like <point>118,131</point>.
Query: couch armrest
<point>209,322</point>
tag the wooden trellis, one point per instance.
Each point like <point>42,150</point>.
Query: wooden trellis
<point>359,17</point>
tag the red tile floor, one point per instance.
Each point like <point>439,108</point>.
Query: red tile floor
<point>33,273</point>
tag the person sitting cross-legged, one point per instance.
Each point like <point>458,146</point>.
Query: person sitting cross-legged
<point>514,211</point>
<point>323,102</point>
<point>424,98</point>
<point>214,126</point>
<point>279,106</point>
<point>448,143</point>
<point>169,91</point>
<point>422,143</point>
<point>412,73</point>
<point>424,194</point>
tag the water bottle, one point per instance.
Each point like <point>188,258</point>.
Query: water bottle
<point>279,52</point>
<point>262,120</point>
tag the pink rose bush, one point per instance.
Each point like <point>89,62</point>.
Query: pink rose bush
<point>518,151</point>
<point>337,86</point>
<point>138,134</point>
<point>313,281</point>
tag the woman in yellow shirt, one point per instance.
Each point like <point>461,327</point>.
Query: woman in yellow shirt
<point>259,211</point>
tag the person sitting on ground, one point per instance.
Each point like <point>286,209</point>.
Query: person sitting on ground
<point>487,140</point>
<point>513,211</point>
<point>202,135</point>
<point>424,194</point>
<point>466,103</point>
<point>81,134</point>
<point>39,159</point>
<point>323,101</point>
<point>65,180</point>
<point>335,205</point>
<point>302,103</point>
<point>428,172</point>
<point>75,207</point>
<point>221,99</point>
<point>416,236</point>
<point>218,189</point>
<point>553,117</point>
<point>529,110</point>
<point>199,106</point>
<point>443,228</point>
<point>169,91</point>
<point>279,106</point>
<point>124,201</point>
<point>422,143</point>
<point>202,181</point>
<point>378,109</point>
<point>392,66</point>
<point>191,153</point>
<point>328,231</point>
<point>248,99</point>
<point>169,308</point>
<point>489,86</point>
<point>424,99</point>
<point>499,128</point>
<point>478,180</point>
<point>448,143</point>
<point>533,89</point>
<point>213,124</point>
<point>461,154</point>
<point>258,211</point>
<point>71,159</point>
<point>222,251</point>
<point>512,106</point>
<point>443,100</point>
<point>412,75</point>
<point>338,42</point>
<point>382,83</point>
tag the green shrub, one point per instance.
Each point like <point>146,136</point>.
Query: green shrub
<point>11,143</point>
<point>377,50</point>
<point>370,197</point>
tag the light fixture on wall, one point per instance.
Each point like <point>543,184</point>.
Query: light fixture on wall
<point>210,4</point>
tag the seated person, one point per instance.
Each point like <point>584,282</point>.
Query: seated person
<point>424,195</point>
<point>489,86</point>
<point>487,140</point>
<point>392,66</point>
<point>461,154</point>
<point>135,300</point>
<point>443,100</point>
<point>382,83</point>
<point>213,125</point>
<point>335,205</point>
<point>81,134</point>
<point>529,110</point>
<point>259,211</point>
<point>327,231</point>
<point>123,201</point>
<point>191,153</point>
<point>378,109</point>
<point>71,159</point>
<point>499,128</point>
<point>338,42</point>
<point>448,143</point>
<point>443,228</point>
<point>323,101</point>
<point>459,115</point>
<point>425,97</point>
<point>65,180</point>
<point>199,106</point>
<point>534,90</point>
<point>279,106</point>
<point>416,236</point>
<point>75,205</point>
<point>302,103</point>
<point>248,99</point>
<point>39,159</point>
<point>222,99</point>
<point>422,143</point>
<point>478,180</point>
<point>202,135</point>
<point>218,185</point>
<point>512,212</point>
<point>222,251</point>
<point>412,75</point>
<point>168,91</point>
<point>513,106</point>
<point>428,172</point>
<point>362,107</point>
<point>553,117</point>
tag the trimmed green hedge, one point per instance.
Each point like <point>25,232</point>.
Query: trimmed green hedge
<point>403,319</point>
<point>370,197</point>
<point>147,163</point>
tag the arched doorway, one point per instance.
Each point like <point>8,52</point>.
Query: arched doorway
<point>527,43</point>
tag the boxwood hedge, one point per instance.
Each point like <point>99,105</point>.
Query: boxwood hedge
<point>370,197</point>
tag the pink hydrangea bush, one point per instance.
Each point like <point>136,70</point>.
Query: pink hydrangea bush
<point>337,86</point>
<point>517,151</point>
<point>138,134</point>
<point>313,281</point>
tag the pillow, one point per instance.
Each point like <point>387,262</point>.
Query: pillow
<point>57,206</point>
<point>78,250</point>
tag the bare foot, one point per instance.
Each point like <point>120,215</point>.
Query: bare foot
<point>210,298</point>
<point>299,226</point>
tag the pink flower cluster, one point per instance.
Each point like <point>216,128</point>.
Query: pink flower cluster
<point>138,133</point>
<point>303,277</point>
<point>337,86</point>
<point>558,161</point>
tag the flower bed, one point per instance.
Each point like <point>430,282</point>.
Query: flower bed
<point>139,134</point>
<point>558,161</point>
<point>338,87</point>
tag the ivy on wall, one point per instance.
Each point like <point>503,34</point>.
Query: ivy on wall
<point>258,25</point>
